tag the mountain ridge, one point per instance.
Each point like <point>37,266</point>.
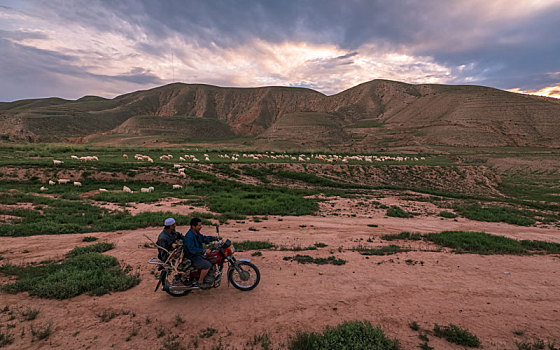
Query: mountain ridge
<point>374,114</point>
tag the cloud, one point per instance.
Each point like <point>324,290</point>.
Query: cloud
<point>549,91</point>
<point>108,47</point>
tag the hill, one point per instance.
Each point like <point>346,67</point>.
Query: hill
<point>372,115</point>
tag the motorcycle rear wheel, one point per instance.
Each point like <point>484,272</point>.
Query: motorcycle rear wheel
<point>167,282</point>
<point>248,279</point>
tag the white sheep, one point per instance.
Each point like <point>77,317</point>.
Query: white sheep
<point>125,156</point>
<point>74,157</point>
<point>177,187</point>
<point>43,188</point>
<point>151,188</point>
<point>182,159</point>
<point>77,184</point>
<point>57,162</point>
<point>63,181</point>
<point>103,190</point>
<point>145,190</point>
<point>51,182</point>
<point>127,189</point>
<point>176,166</point>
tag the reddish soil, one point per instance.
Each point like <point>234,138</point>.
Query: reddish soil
<point>492,296</point>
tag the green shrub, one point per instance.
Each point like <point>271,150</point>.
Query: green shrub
<point>396,211</point>
<point>497,214</point>
<point>97,248</point>
<point>447,214</point>
<point>476,242</point>
<point>355,335</point>
<point>386,250</point>
<point>403,236</point>
<point>306,259</point>
<point>253,245</point>
<point>457,335</point>
<point>89,239</point>
<point>83,273</point>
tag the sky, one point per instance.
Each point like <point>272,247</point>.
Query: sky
<point>70,49</point>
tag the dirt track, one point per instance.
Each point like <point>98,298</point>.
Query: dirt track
<point>492,296</point>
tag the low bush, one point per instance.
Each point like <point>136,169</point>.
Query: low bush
<point>497,214</point>
<point>398,212</point>
<point>89,239</point>
<point>447,214</point>
<point>457,335</point>
<point>306,259</point>
<point>354,335</point>
<point>386,250</point>
<point>476,242</point>
<point>253,245</point>
<point>91,272</point>
<point>403,236</point>
<point>97,248</point>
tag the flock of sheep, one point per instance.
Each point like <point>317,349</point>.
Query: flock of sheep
<point>329,158</point>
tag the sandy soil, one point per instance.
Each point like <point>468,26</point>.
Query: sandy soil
<point>492,296</point>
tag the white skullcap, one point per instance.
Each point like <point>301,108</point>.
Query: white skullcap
<point>169,221</point>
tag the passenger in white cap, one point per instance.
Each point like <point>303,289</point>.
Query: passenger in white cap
<point>167,237</point>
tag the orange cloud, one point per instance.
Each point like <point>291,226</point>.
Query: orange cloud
<point>549,91</point>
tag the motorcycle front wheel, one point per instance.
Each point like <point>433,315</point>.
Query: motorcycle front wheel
<point>247,278</point>
<point>167,283</point>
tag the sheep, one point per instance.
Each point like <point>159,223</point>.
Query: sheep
<point>151,188</point>
<point>176,166</point>
<point>145,190</point>
<point>43,188</point>
<point>74,157</point>
<point>177,187</point>
<point>125,156</point>
<point>182,159</point>
<point>51,182</point>
<point>181,170</point>
<point>63,181</point>
<point>183,174</point>
<point>57,162</point>
<point>77,184</point>
<point>127,189</point>
<point>103,190</point>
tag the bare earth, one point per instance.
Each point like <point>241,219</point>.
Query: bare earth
<point>492,296</point>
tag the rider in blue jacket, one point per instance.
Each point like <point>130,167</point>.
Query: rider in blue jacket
<point>192,244</point>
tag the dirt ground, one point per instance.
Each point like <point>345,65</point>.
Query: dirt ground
<point>491,296</point>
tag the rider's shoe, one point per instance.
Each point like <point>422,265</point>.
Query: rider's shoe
<point>204,285</point>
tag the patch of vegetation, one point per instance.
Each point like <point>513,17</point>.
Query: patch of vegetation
<point>306,259</point>
<point>497,214</point>
<point>253,245</point>
<point>536,344</point>
<point>456,335</point>
<point>6,338</point>
<point>94,248</point>
<point>263,340</point>
<point>92,273</point>
<point>356,335</point>
<point>42,332</point>
<point>483,243</point>
<point>315,180</point>
<point>171,342</point>
<point>398,212</point>
<point>385,250</point>
<point>447,214</point>
<point>30,314</point>
<point>414,326</point>
<point>373,225</point>
<point>108,314</point>
<point>89,239</point>
<point>403,236</point>
<point>207,333</point>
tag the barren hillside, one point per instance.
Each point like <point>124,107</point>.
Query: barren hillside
<point>372,115</point>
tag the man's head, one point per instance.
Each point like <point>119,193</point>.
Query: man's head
<point>170,224</point>
<point>196,224</point>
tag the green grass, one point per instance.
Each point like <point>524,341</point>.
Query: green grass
<point>497,214</point>
<point>92,273</point>
<point>398,212</point>
<point>457,335</point>
<point>94,248</point>
<point>89,239</point>
<point>402,236</point>
<point>315,180</point>
<point>353,335</point>
<point>385,250</point>
<point>253,245</point>
<point>447,214</point>
<point>483,243</point>
<point>306,259</point>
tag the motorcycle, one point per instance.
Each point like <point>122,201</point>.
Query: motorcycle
<point>178,277</point>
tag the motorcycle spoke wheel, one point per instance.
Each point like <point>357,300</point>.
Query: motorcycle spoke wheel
<point>247,278</point>
<point>168,287</point>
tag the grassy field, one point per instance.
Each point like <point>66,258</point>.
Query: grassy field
<point>248,185</point>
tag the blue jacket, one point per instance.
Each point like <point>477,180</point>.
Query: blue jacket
<point>192,243</point>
